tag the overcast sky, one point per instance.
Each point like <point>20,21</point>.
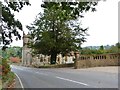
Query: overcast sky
<point>103,24</point>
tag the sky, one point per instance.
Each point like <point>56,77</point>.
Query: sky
<point>103,24</point>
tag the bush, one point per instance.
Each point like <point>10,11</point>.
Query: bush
<point>14,59</point>
<point>0,71</point>
<point>0,68</point>
<point>8,80</point>
<point>5,70</point>
<point>5,67</point>
<point>7,76</point>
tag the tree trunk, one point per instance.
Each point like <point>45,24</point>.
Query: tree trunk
<point>53,57</point>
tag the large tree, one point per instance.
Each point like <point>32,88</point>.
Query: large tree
<point>58,30</point>
<point>9,26</point>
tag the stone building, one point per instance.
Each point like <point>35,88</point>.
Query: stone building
<point>41,59</point>
<point>26,51</point>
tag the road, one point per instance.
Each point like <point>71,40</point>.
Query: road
<point>65,78</point>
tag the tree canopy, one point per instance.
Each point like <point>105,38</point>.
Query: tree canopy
<point>58,29</point>
<point>9,26</point>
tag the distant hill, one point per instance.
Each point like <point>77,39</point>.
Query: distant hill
<point>97,47</point>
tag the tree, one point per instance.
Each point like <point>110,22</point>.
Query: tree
<point>101,47</point>
<point>101,50</point>
<point>114,48</point>
<point>86,51</point>
<point>118,45</point>
<point>73,9</point>
<point>56,30</point>
<point>9,25</point>
<point>14,52</point>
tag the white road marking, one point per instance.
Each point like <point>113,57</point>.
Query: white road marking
<point>72,81</point>
<point>20,81</point>
<point>41,73</point>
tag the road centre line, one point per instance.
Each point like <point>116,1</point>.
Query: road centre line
<point>72,81</point>
<point>20,81</point>
<point>41,73</point>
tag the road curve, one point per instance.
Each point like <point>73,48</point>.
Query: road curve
<point>65,78</point>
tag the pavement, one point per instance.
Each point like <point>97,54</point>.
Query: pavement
<point>96,77</point>
<point>107,69</point>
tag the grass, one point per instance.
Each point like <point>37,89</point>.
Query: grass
<point>0,84</point>
<point>8,79</point>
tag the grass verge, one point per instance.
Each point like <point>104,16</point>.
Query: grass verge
<point>7,81</point>
<point>0,84</point>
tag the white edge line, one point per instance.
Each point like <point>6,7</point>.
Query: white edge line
<point>73,81</point>
<point>20,81</point>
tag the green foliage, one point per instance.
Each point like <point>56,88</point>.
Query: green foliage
<point>118,45</point>
<point>102,50</point>
<point>5,67</point>
<point>7,75</point>
<point>58,29</point>
<point>11,52</point>
<point>113,49</point>
<point>8,78</point>
<point>73,9</point>
<point>101,47</point>
<point>9,25</point>
<point>14,52</point>
<point>5,72</point>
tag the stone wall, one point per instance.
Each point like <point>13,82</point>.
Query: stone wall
<point>85,61</point>
<point>41,59</point>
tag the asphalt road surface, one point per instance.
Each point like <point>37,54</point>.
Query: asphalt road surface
<point>65,78</point>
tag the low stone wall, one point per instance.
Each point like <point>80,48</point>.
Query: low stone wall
<point>86,61</point>
<point>55,66</point>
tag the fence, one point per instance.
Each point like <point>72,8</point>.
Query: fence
<point>85,61</point>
